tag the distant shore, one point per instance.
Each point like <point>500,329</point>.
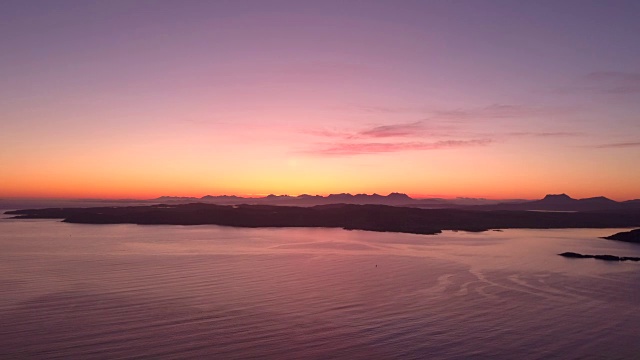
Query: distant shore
<point>351,217</point>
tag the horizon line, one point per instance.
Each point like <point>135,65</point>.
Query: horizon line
<point>262,196</point>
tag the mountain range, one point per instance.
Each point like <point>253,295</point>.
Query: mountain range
<point>393,199</point>
<point>551,202</point>
<point>563,202</point>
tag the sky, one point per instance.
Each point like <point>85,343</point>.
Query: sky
<point>468,98</point>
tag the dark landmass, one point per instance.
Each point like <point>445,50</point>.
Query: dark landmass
<point>393,199</point>
<point>563,202</point>
<point>632,236</point>
<point>347,216</point>
<point>560,202</point>
<point>599,257</point>
<point>11,204</point>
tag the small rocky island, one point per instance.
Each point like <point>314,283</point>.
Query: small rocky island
<point>599,257</point>
<point>632,236</point>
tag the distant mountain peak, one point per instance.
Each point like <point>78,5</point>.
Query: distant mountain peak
<point>307,196</point>
<point>603,198</point>
<point>219,197</point>
<point>558,197</point>
<point>396,195</point>
<point>341,195</point>
<point>599,200</point>
<point>174,198</point>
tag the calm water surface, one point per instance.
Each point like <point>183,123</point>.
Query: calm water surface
<point>73,291</point>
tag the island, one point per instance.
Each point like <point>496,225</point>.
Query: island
<point>347,216</point>
<point>599,257</point>
<point>632,236</point>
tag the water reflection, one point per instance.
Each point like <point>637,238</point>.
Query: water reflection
<point>88,291</point>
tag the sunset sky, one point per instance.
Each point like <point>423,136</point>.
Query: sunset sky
<point>495,99</point>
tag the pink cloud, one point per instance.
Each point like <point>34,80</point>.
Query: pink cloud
<point>619,145</point>
<point>614,82</point>
<point>342,149</point>
<point>397,130</point>
<point>415,129</point>
<point>546,134</point>
<point>496,111</point>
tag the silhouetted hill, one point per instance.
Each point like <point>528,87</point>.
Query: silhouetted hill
<point>302,200</point>
<point>221,198</point>
<point>556,199</point>
<point>176,198</point>
<point>393,199</point>
<point>632,236</point>
<point>551,202</point>
<point>563,202</point>
<point>357,217</point>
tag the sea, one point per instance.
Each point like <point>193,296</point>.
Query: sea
<point>71,291</point>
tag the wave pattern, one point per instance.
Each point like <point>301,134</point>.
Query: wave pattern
<point>102,292</point>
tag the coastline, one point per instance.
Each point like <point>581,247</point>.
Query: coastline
<point>380,218</point>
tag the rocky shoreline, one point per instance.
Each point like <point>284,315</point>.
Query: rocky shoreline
<point>632,236</point>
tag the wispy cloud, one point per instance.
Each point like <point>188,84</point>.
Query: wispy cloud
<point>416,129</point>
<point>396,130</point>
<point>545,134</point>
<point>495,111</point>
<point>329,133</point>
<point>386,109</point>
<point>614,82</point>
<point>443,129</point>
<point>292,73</point>
<point>401,130</point>
<point>342,149</point>
<point>605,83</point>
<point>382,109</point>
<point>619,145</point>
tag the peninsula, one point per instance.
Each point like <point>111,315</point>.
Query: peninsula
<point>632,236</point>
<point>347,216</point>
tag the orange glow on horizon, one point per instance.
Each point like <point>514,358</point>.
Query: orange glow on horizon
<point>362,99</point>
<point>141,193</point>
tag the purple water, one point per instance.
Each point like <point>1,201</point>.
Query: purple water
<point>73,291</point>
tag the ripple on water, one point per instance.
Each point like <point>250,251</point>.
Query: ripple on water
<point>289,293</point>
